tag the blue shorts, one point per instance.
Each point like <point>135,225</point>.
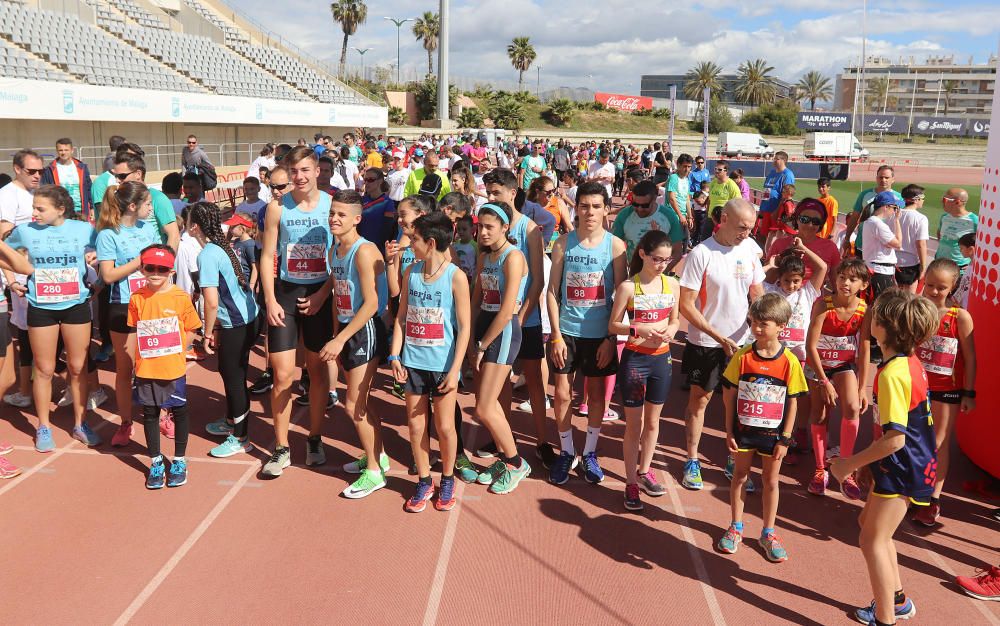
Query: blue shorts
<point>165,394</point>
<point>504,349</point>
<point>422,382</point>
<point>644,377</point>
<point>890,482</point>
<point>755,439</point>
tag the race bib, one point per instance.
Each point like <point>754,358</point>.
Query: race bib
<point>57,285</point>
<point>794,333</point>
<point>306,261</point>
<point>938,355</point>
<point>652,308</point>
<point>425,326</point>
<point>835,351</point>
<point>760,404</point>
<point>136,281</point>
<point>491,292</point>
<point>342,296</point>
<point>159,337</point>
<point>585,289</point>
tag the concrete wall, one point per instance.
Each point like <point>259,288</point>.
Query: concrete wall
<point>406,101</point>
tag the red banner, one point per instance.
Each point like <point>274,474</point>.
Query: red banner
<point>622,102</point>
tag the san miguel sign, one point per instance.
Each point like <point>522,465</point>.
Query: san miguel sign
<point>624,103</point>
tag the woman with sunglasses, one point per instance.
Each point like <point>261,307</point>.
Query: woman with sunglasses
<point>378,210</point>
<point>810,217</point>
<point>59,247</point>
<point>122,234</point>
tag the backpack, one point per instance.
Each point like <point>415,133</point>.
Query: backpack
<point>431,186</point>
<point>208,175</point>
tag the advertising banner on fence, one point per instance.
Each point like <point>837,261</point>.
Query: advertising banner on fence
<point>622,102</point>
<point>979,128</point>
<point>831,122</point>
<point>34,100</point>
<point>938,126</point>
<point>882,123</point>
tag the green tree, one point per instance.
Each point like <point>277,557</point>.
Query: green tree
<point>521,54</point>
<point>702,75</point>
<point>471,117</point>
<point>561,111</point>
<point>754,84</point>
<point>948,87</point>
<point>813,86</point>
<point>397,116</point>
<point>777,118</point>
<point>427,29</point>
<point>349,14</point>
<point>720,119</point>
<point>877,94</point>
<point>507,112</point>
<point>425,93</point>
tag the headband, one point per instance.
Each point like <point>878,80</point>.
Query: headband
<point>498,211</point>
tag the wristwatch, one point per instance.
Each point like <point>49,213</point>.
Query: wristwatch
<point>788,442</point>
<point>969,393</point>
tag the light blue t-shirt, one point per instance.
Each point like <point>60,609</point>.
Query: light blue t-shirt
<point>347,294</point>
<point>681,187</point>
<point>237,306</point>
<point>952,228</point>
<point>122,247</point>
<point>527,163</point>
<point>57,253</point>
<point>697,177</point>
<point>587,288</point>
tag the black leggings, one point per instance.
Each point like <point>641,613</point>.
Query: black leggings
<point>234,358</point>
<point>151,425</point>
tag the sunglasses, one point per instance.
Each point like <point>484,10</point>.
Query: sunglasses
<point>124,175</point>
<point>815,221</point>
<point>720,169</point>
<point>371,180</point>
<point>699,162</point>
<point>191,143</point>
<point>547,192</point>
<point>280,187</point>
<point>642,205</point>
<point>156,269</point>
<point>31,171</point>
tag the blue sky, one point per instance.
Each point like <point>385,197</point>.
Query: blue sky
<point>608,44</point>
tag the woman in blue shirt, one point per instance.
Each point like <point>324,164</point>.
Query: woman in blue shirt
<point>59,247</point>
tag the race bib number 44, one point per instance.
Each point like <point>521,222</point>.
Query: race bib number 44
<point>57,285</point>
<point>425,326</point>
<point>761,405</point>
<point>306,261</point>
<point>159,337</point>
<point>585,289</point>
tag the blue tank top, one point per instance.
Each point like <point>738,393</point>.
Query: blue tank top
<point>493,282</point>
<point>347,284</point>
<point>304,241</point>
<point>587,287</point>
<point>519,232</point>
<point>430,321</point>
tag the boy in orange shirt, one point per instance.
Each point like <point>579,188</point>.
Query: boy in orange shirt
<point>165,321</point>
<point>823,186</point>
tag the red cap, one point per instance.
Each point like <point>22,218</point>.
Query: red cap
<point>238,220</point>
<point>158,256</point>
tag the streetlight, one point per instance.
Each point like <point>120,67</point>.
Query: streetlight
<point>362,52</point>
<point>399,24</point>
<point>538,80</point>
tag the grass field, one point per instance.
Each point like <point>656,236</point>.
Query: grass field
<point>847,192</point>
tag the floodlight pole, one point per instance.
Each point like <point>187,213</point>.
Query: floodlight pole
<point>399,24</point>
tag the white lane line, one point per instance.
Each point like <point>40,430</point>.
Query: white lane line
<point>190,459</point>
<point>444,556</point>
<point>934,556</point>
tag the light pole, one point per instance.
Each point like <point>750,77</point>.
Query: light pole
<point>538,80</point>
<point>399,24</point>
<point>362,52</point>
<point>443,37</point>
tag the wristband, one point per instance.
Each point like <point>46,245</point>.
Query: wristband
<point>633,331</point>
<point>612,338</point>
<point>555,339</point>
<point>392,357</point>
<point>969,393</point>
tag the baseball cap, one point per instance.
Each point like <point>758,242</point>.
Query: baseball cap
<point>238,220</point>
<point>157,256</point>
<point>886,198</point>
<point>418,152</point>
<point>398,154</point>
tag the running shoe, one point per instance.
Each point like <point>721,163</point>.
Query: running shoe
<point>18,399</point>
<point>866,614</point>
<point>650,485</point>
<point>984,586</point>
<point>446,495</point>
<point>231,446</point>
<point>928,515</point>
<point>465,470</point>
<point>996,514</point>
<point>302,400</point>
<point>86,436</point>
<point>332,400</point>
<point>178,474</point>
<point>303,384</point>
<point>155,479</point>
<point>65,399</point>
<point>520,382</point>
<point>592,471</point>
<point>632,500</point>
<point>510,478</point>
<point>5,447</point>
<point>361,463</point>
<point>850,488</point>
<point>582,409</point>
<point>219,428</point>
<point>104,354</point>
<point>487,452</point>
<point>819,482</point>
<point>167,424</point>
<point>263,384</point>
<point>418,501</point>
<point>398,391</point>
<point>8,469</point>
<point>368,483</point>
<point>123,436</point>
<point>315,455</point>
<point>281,459</point>
<point>97,398</point>
<point>194,354</point>
<point>43,440</point>
<point>547,453</point>
<point>610,415</point>
<point>773,550</point>
<point>491,473</point>
<point>526,405</point>
<point>692,475</point>
<point>433,460</point>
<point>559,473</point>
<point>730,542</point>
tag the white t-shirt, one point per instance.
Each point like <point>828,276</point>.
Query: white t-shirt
<point>346,180</point>
<point>69,179</point>
<point>914,227</point>
<point>794,334</point>
<point>878,257</point>
<point>15,204</point>
<point>397,183</point>
<point>597,170</point>
<point>187,262</point>
<point>259,162</point>
<point>253,208</point>
<point>723,276</point>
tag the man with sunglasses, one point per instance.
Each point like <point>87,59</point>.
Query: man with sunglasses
<point>721,189</point>
<point>129,167</point>
<point>699,174</point>
<point>193,157</point>
<point>642,216</point>
<point>17,197</point>
<point>102,182</point>
<point>532,166</point>
<point>885,176</point>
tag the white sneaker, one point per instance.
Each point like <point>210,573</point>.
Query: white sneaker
<point>97,398</point>
<point>18,399</point>
<point>610,415</point>
<point>526,405</point>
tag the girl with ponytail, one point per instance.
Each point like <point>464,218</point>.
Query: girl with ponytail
<point>228,300</point>
<point>122,234</point>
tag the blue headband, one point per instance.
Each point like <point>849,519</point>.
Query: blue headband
<point>498,211</point>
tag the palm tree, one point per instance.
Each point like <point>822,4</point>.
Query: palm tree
<point>561,111</point>
<point>702,75</point>
<point>521,54</point>
<point>877,92</point>
<point>948,87</point>
<point>426,29</point>
<point>349,14</point>
<point>814,86</point>
<point>755,86</point>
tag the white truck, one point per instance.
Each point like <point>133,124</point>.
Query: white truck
<point>743,144</point>
<point>829,146</point>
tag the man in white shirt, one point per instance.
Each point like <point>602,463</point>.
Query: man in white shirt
<point>397,177</point>
<point>16,198</point>
<point>726,268</point>
<point>345,171</point>
<point>252,203</point>
<point>603,171</point>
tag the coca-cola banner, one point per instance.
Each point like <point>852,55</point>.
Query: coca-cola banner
<point>622,102</point>
<point>812,120</point>
<point>938,126</point>
<point>979,128</point>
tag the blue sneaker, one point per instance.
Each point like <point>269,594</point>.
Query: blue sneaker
<point>230,446</point>
<point>178,473</point>
<point>559,473</point>
<point>592,471</point>
<point>86,436</point>
<point>104,354</point>
<point>155,479</point>
<point>866,614</point>
<point>43,440</point>
<point>219,428</point>
<point>692,475</point>
<point>730,542</point>
<point>773,549</point>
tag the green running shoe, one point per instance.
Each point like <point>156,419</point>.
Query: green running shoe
<point>368,483</point>
<point>465,470</point>
<point>492,472</point>
<point>509,479</point>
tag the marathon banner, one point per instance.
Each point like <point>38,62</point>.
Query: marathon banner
<point>979,128</point>
<point>623,102</point>
<point>834,122</point>
<point>938,126</point>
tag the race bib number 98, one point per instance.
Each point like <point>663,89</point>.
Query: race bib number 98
<point>585,289</point>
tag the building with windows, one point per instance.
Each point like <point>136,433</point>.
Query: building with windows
<point>658,86</point>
